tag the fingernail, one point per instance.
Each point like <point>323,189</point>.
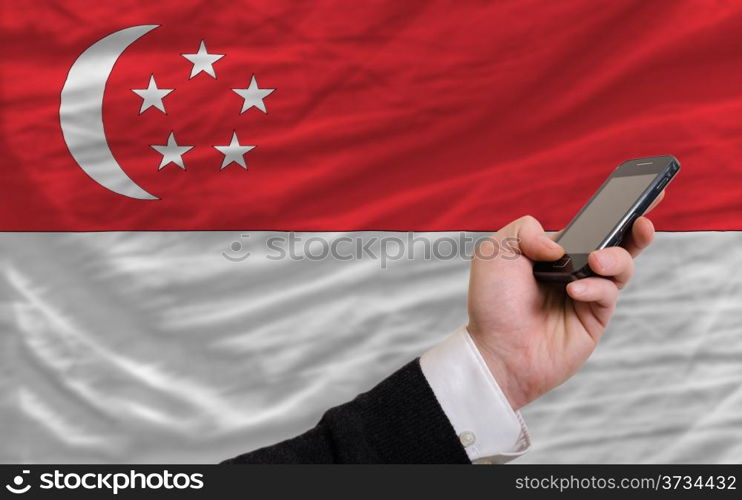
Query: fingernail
<point>577,288</point>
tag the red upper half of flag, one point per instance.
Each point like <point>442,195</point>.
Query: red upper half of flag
<point>424,115</point>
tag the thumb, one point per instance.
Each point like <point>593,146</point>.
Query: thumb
<point>532,240</point>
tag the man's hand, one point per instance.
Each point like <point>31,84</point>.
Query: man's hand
<point>534,335</point>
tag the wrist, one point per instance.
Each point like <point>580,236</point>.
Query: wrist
<point>508,381</point>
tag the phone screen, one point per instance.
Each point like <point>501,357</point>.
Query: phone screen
<point>611,204</point>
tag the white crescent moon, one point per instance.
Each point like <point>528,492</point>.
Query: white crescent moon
<point>81,112</point>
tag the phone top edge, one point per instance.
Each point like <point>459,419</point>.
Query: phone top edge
<point>658,158</point>
<point>646,165</point>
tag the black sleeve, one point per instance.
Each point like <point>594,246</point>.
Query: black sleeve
<point>398,421</point>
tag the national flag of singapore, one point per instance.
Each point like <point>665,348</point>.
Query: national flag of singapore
<point>171,172</point>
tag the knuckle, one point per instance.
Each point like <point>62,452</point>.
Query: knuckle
<point>527,219</point>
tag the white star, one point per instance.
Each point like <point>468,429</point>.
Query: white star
<point>203,61</point>
<point>253,96</point>
<point>172,152</point>
<point>152,96</point>
<point>234,152</point>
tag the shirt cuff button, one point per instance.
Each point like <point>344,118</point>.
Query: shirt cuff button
<point>467,438</point>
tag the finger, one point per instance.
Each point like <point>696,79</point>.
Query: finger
<point>533,241</point>
<point>655,202</point>
<point>600,291</point>
<point>613,262</point>
<point>640,236</point>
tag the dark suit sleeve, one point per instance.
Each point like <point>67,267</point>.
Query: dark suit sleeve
<point>398,421</point>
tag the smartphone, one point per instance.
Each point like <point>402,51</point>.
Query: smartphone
<point>610,213</point>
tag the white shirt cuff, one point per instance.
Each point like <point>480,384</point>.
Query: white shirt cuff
<point>488,428</point>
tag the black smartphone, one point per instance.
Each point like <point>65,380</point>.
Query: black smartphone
<point>610,213</point>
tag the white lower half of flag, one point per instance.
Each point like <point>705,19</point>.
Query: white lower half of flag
<point>180,347</point>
